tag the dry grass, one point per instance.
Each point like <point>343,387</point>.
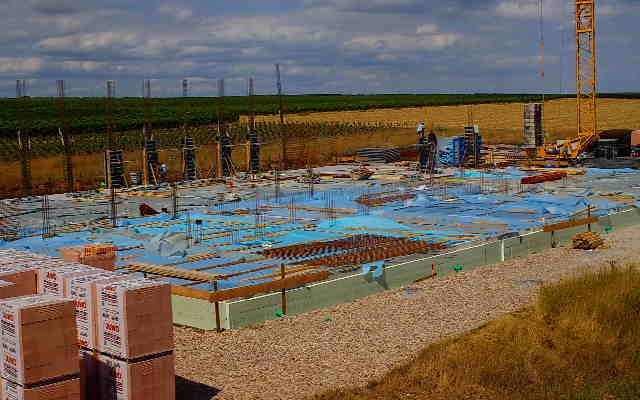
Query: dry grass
<point>580,341</point>
<point>499,123</point>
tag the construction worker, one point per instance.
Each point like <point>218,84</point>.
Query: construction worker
<point>163,171</point>
<point>421,129</point>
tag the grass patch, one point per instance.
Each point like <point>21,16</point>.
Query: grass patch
<point>580,341</point>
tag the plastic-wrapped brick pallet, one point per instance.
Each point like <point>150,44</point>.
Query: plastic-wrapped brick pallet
<point>68,389</point>
<point>143,379</point>
<point>82,289</point>
<point>135,341</point>
<point>39,350</point>
<point>52,280</point>
<point>135,318</point>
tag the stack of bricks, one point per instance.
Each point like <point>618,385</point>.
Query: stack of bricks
<point>135,340</point>
<point>39,349</point>
<point>122,330</point>
<point>19,272</point>
<point>95,255</point>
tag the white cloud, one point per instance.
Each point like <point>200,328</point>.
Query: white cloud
<point>398,42</point>
<point>83,66</point>
<point>90,41</point>
<point>177,12</point>
<point>268,28</point>
<point>427,29</point>
<point>20,65</point>
<point>518,9</point>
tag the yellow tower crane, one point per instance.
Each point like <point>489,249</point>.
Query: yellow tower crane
<point>586,86</point>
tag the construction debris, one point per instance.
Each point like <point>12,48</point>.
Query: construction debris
<point>588,241</point>
<point>547,177</point>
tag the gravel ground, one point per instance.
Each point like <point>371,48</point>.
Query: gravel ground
<point>351,343</point>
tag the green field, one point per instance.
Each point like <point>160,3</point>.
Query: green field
<point>87,115</point>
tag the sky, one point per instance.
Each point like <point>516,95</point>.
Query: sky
<point>324,46</point>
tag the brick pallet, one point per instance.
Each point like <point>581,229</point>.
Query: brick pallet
<point>39,350</point>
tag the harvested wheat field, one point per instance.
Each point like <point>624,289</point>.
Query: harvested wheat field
<point>499,123</point>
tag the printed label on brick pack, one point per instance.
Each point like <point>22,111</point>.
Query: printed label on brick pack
<point>112,316</point>
<point>11,335</point>
<point>12,391</point>
<point>11,355</point>
<point>81,293</point>
<point>111,321</point>
<point>114,379</point>
<point>51,281</point>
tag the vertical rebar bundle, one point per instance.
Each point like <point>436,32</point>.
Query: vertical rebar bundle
<point>281,111</point>
<point>46,228</point>
<point>108,106</point>
<point>276,177</point>
<point>253,141</point>
<point>188,228</point>
<point>24,136</point>
<point>224,145</point>
<point>189,164</point>
<point>149,151</point>
<point>113,202</point>
<point>64,130</point>
<point>174,201</point>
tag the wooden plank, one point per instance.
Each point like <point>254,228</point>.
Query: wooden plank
<point>570,224</point>
<point>287,283</point>
<point>171,272</point>
<point>190,292</point>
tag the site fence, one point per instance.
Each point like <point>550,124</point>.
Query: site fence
<point>307,143</point>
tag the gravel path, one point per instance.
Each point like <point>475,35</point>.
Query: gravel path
<point>299,356</point>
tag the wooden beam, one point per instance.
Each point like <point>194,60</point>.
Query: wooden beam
<point>286,283</point>
<point>190,292</point>
<point>171,272</point>
<point>570,224</point>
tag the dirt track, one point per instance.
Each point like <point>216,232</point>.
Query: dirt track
<point>352,343</point>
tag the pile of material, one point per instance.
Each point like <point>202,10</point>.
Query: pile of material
<point>548,177</point>
<point>77,332</point>
<point>96,255</point>
<point>588,241</point>
<point>378,155</point>
<point>379,199</point>
<point>362,174</point>
<point>502,155</point>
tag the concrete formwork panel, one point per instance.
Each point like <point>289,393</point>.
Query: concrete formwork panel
<point>195,313</point>
<point>235,314</point>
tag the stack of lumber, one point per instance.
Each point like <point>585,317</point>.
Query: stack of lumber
<point>588,241</point>
<point>39,349</point>
<point>379,155</point>
<point>502,155</point>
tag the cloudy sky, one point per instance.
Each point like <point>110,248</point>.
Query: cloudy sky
<point>325,46</point>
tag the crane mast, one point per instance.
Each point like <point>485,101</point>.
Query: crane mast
<point>586,75</point>
<point>586,87</point>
